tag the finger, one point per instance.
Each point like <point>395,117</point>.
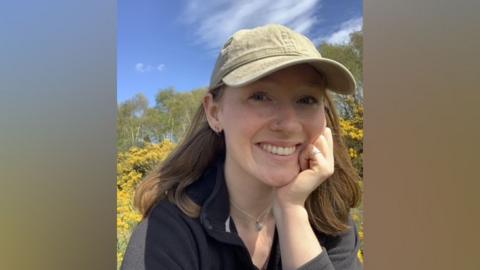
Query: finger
<point>322,144</point>
<point>316,156</point>
<point>304,158</point>
<point>329,137</point>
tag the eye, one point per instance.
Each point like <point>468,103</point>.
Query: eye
<point>308,100</point>
<point>259,96</point>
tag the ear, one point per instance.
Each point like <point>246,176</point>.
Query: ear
<point>212,109</point>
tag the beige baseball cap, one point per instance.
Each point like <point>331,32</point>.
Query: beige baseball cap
<point>251,54</point>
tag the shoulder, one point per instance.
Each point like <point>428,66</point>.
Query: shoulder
<point>347,239</point>
<point>164,239</point>
<point>167,217</point>
<point>165,213</point>
<point>343,248</point>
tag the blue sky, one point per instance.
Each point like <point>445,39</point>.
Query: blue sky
<point>175,43</point>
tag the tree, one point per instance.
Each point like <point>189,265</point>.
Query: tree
<point>179,109</point>
<point>137,123</point>
<point>350,55</point>
<point>128,121</point>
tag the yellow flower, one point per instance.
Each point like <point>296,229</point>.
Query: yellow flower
<point>132,166</point>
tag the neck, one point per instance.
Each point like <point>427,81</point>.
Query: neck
<point>246,192</point>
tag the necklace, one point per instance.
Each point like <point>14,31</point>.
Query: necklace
<point>258,220</point>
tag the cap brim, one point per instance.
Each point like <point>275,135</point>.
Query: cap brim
<point>339,79</point>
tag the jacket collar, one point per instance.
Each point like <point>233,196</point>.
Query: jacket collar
<point>211,193</point>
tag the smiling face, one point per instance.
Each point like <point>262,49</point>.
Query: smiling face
<point>269,122</point>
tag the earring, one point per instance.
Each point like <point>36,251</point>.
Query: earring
<point>217,130</point>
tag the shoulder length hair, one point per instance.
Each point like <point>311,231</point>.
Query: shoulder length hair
<point>328,206</point>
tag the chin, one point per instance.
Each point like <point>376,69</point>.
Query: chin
<point>280,178</point>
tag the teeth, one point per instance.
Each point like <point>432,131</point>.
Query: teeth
<point>269,148</point>
<point>277,150</point>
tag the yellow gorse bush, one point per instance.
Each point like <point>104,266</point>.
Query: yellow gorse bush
<point>132,166</point>
<point>352,128</point>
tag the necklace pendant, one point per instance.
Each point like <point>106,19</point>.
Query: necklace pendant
<point>258,226</point>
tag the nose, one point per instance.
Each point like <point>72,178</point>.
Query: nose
<point>285,119</point>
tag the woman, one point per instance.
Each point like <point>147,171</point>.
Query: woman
<point>262,179</point>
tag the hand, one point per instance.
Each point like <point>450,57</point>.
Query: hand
<point>316,165</point>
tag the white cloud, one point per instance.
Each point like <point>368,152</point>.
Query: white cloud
<point>217,20</point>
<point>141,67</point>
<point>342,36</point>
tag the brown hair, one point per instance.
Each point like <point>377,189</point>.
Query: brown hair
<point>328,206</point>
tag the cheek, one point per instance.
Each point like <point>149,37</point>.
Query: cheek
<point>243,119</point>
<point>239,130</point>
<point>316,127</point>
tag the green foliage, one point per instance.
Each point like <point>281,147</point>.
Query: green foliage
<point>138,124</point>
<point>179,109</point>
<point>350,55</point>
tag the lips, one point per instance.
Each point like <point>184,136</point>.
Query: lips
<point>278,150</point>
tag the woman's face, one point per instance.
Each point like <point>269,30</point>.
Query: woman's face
<point>269,122</point>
